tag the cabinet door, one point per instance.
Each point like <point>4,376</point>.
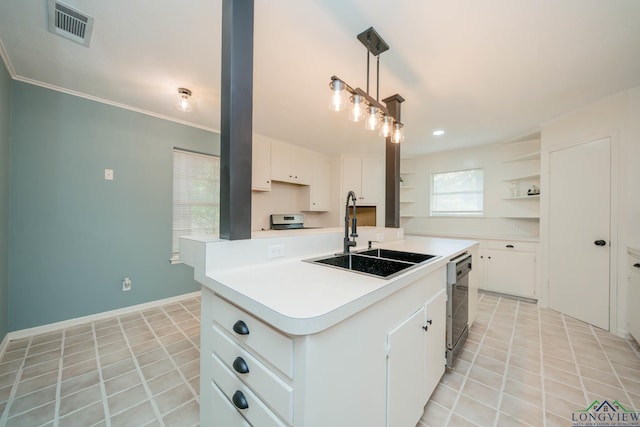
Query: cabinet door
<point>351,176</point>
<point>290,164</point>
<point>436,323</point>
<point>372,181</point>
<point>261,164</point>
<point>406,370</point>
<point>634,297</point>
<point>320,184</point>
<point>511,272</point>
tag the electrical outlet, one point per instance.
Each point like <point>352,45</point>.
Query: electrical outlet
<point>126,284</point>
<point>108,174</point>
<point>275,251</point>
<point>380,237</point>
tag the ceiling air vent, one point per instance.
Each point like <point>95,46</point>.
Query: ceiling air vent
<point>69,23</point>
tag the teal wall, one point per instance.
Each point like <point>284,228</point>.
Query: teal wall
<point>5,116</point>
<point>75,236</point>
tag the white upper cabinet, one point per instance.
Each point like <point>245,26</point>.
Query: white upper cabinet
<point>365,176</point>
<point>261,163</point>
<point>290,163</point>
<point>319,190</point>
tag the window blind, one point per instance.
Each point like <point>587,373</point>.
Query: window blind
<point>196,195</point>
<point>457,193</point>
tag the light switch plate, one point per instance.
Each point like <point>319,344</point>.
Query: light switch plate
<point>108,174</point>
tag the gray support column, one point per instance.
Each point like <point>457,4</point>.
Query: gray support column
<point>236,119</point>
<point>392,168</point>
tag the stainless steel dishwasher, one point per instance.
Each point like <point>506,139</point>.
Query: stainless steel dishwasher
<point>457,305</point>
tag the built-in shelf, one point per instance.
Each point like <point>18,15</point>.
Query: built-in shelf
<point>407,216</point>
<point>530,156</point>
<point>406,173</point>
<point>536,196</point>
<point>406,187</point>
<point>407,201</point>
<point>521,178</point>
<point>522,217</point>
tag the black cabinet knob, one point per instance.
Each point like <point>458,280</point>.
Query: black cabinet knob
<point>510,246</point>
<point>637,265</point>
<point>600,243</point>
<point>240,366</point>
<point>241,328</point>
<point>239,400</point>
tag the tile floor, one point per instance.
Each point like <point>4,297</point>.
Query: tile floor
<point>522,365</point>
<point>139,369</point>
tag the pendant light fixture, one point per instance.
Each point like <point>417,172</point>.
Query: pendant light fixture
<point>360,104</point>
<point>184,101</point>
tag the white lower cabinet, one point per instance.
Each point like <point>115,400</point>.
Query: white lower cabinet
<point>416,361</point>
<point>436,315</point>
<point>406,371</point>
<point>509,267</point>
<point>376,368</point>
<point>634,297</point>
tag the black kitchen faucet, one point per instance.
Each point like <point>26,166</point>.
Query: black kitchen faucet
<point>354,222</point>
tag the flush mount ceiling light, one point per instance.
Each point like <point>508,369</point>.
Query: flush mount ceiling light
<point>438,132</point>
<point>184,101</point>
<point>360,104</point>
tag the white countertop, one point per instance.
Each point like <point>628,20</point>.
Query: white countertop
<point>302,298</point>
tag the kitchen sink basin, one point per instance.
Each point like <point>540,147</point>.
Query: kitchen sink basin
<point>412,257</point>
<point>376,262</point>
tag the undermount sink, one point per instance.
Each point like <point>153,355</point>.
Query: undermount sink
<point>412,257</point>
<point>376,262</point>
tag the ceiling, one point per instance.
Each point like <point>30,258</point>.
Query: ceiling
<point>483,70</point>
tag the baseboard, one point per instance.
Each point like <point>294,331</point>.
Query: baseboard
<point>3,345</point>
<point>508,296</point>
<point>37,330</point>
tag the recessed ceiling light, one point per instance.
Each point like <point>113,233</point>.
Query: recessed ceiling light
<point>438,132</point>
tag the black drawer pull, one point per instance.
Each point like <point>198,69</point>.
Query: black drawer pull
<point>241,328</point>
<point>240,366</point>
<point>509,246</point>
<point>239,400</point>
<point>637,265</point>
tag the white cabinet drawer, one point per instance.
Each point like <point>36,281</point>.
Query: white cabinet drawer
<point>222,411</point>
<point>256,412</point>
<point>267,385</point>
<point>266,341</point>
<point>512,245</point>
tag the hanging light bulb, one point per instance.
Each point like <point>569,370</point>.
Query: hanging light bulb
<point>386,126</point>
<point>372,121</point>
<point>184,102</point>
<point>357,108</point>
<point>338,95</point>
<point>398,134</point>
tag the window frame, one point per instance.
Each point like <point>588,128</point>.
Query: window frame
<point>215,225</point>
<point>456,214</point>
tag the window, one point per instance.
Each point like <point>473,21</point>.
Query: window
<point>196,195</point>
<point>457,193</point>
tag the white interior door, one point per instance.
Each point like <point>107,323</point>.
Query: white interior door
<point>579,231</point>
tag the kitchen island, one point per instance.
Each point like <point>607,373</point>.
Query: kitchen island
<point>291,343</point>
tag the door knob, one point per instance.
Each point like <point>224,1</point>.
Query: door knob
<point>600,243</point>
